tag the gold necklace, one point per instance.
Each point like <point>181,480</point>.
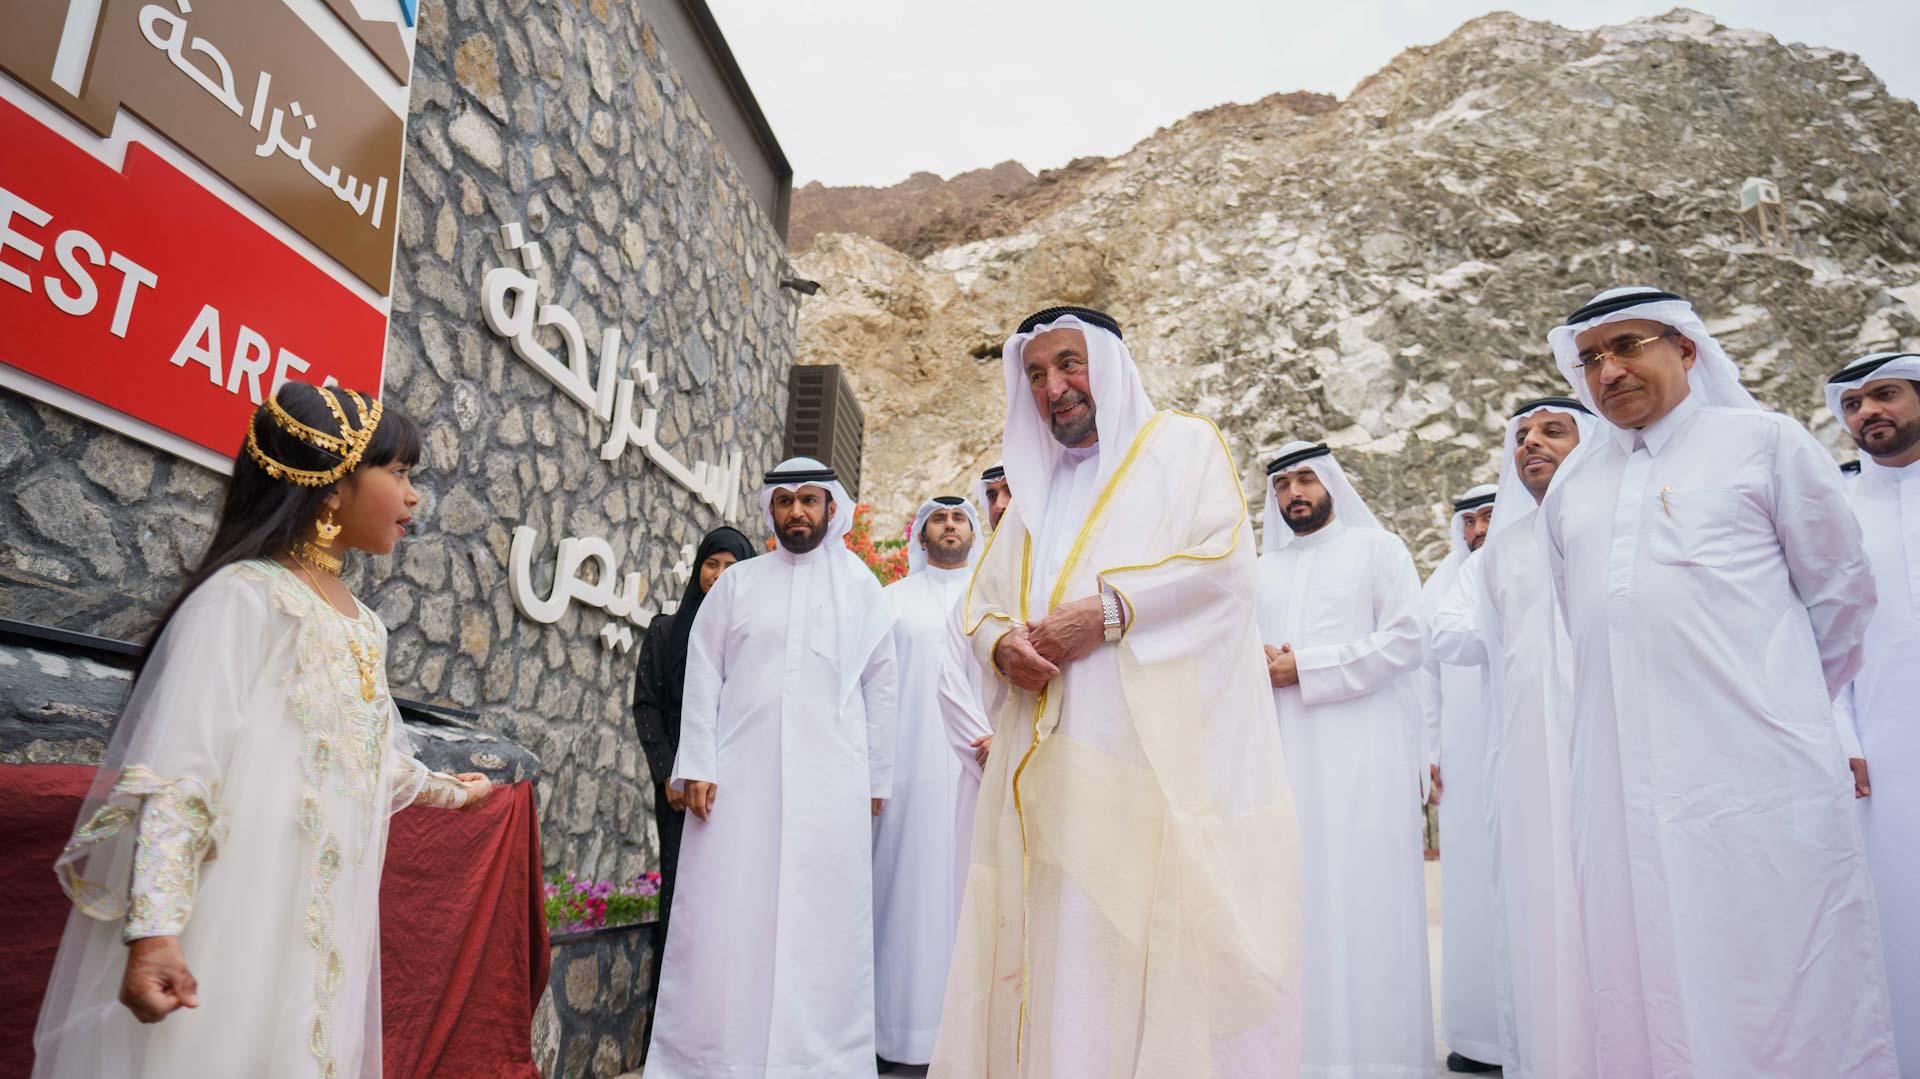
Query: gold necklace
<point>312,554</point>
<point>366,658</point>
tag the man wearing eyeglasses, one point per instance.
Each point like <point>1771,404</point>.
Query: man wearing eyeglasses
<point>1716,595</point>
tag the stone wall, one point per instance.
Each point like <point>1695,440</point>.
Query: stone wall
<point>569,119</point>
<point>593,1018</point>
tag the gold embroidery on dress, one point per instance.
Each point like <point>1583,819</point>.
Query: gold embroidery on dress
<point>441,791</point>
<point>175,835</point>
<point>179,827</point>
<point>341,701</point>
<point>367,659</point>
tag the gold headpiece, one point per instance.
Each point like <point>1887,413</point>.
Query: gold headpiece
<point>348,445</point>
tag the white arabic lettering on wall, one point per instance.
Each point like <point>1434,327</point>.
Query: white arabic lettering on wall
<point>621,603</point>
<point>512,309</point>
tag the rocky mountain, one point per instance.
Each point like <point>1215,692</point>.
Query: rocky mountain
<point>908,215</point>
<point>1381,272</point>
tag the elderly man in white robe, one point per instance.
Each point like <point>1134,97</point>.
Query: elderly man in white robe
<point>1717,595</point>
<point>1877,397</point>
<point>1130,907</point>
<point>786,751</point>
<point>915,899</point>
<point>1500,613</point>
<point>1474,998</point>
<point>1345,637</point>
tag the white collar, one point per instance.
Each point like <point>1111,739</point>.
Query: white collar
<point>1872,469</point>
<point>1314,539</point>
<point>1661,431</point>
<point>1073,456</point>
<point>818,554</point>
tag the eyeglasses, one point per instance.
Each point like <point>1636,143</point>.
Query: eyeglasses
<point>1625,350</point>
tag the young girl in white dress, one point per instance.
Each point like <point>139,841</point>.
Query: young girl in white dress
<point>225,870</point>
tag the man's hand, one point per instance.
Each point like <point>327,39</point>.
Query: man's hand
<point>1861,788</point>
<point>1283,668</point>
<point>980,747</point>
<point>675,800</point>
<point>1023,666</point>
<point>878,805</point>
<point>157,980</point>
<point>1438,787</point>
<point>478,787</point>
<point>698,797</point>
<point>1070,632</point>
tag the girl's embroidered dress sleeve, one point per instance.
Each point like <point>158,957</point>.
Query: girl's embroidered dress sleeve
<point>413,782</point>
<point>438,790</point>
<point>154,817</point>
<point>176,834</point>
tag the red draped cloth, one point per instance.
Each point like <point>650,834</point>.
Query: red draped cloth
<point>463,932</point>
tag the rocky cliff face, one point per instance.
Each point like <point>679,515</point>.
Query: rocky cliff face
<point>1382,273</point>
<point>901,215</point>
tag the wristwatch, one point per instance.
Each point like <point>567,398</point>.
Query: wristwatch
<point>1110,613</point>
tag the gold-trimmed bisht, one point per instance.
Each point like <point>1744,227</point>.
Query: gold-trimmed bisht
<point>1074,556</point>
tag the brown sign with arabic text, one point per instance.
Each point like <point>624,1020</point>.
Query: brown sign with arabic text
<point>248,89</point>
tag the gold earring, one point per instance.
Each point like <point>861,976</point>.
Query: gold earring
<point>326,530</point>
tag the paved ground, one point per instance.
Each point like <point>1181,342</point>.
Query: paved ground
<point>1433,960</point>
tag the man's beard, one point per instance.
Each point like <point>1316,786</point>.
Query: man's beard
<point>801,546</point>
<point>1891,444</point>
<point>1315,519</point>
<point>946,559</point>
<point>1072,432</point>
<point>1475,542</point>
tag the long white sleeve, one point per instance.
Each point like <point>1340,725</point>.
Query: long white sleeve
<point>191,701</point>
<point>1427,689</point>
<point>1349,669</point>
<point>698,759</point>
<point>960,710</point>
<point>1846,723</point>
<point>880,691</point>
<point>1548,522</point>
<point>1430,691</point>
<point>1826,559</point>
<point>1455,633</point>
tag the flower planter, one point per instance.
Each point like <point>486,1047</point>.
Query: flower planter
<point>594,1015</point>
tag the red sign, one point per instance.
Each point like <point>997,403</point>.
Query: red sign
<point>150,295</point>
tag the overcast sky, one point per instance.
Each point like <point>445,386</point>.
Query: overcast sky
<point>868,91</point>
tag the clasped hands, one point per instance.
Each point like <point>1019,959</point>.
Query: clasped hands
<point>1283,667</point>
<point>1032,654</point>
